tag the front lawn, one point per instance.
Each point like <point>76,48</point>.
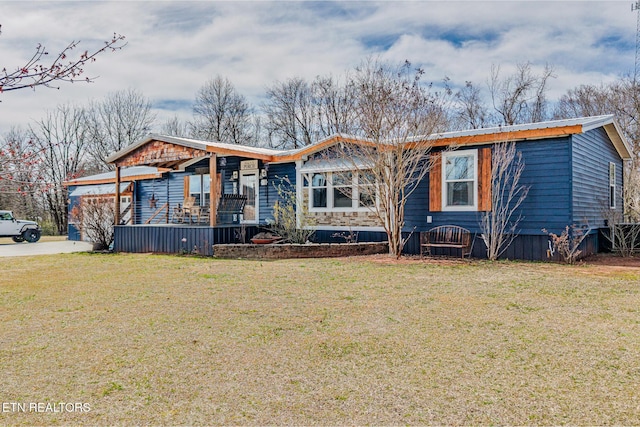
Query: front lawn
<point>144,339</point>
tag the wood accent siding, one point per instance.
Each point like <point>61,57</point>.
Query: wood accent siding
<point>484,179</point>
<point>435,184</point>
<point>530,134</point>
<point>161,154</point>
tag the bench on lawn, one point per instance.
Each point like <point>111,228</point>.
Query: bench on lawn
<point>446,236</point>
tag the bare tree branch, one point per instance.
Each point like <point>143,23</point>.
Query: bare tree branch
<point>35,72</point>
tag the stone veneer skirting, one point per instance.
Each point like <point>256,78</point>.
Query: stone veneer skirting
<point>311,250</point>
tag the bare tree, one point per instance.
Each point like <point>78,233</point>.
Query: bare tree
<point>116,122</point>
<point>61,140</point>
<point>222,114</point>
<point>520,97</point>
<point>94,218</point>
<point>290,118</point>
<point>499,225</point>
<point>175,127</point>
<point>20,174</point>
<point>64,68</point>
<point>396,114</point>
<point>471,113</point>
<point>334,106</point>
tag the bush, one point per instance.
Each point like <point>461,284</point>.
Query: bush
<point>286,222</point>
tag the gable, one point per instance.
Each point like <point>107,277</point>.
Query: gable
<point>159,154</point>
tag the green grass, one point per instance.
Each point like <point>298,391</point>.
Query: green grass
<point>181,341</point>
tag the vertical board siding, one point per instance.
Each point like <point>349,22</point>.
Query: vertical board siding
<point>169,239</point>
<point>435,184</point>
<point>484,179</point>
<point>199,240</point>
<point>592,153</point>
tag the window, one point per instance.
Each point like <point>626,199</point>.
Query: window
<point>341,191</point>
<point>199,189</point>
<point>460,180</point>
<point>612,185</point>
<point>319,190</point>
<point>366,189</point>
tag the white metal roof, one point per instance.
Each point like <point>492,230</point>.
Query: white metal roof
<point>98,190</point>
<point>124,172</point>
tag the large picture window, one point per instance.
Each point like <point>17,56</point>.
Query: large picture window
<point>460,180</point>
<point>341,191</point>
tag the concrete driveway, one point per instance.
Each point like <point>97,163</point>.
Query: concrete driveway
<point>43,248</point>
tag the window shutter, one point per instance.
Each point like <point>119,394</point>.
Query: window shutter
<point>484,179</point>
<point>435,184</point>
<point>186,187</point>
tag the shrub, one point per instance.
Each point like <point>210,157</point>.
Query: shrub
<point>287,222</point>
<point>568,242</point>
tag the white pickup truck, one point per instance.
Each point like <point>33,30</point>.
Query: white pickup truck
<point>19,230</point>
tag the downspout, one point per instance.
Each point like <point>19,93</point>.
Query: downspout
<point>117,195</point>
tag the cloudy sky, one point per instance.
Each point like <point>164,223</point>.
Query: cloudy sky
<point>175,46</point>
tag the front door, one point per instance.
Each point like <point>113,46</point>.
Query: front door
<point>249,188</point>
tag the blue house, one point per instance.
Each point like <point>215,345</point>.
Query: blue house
<point>574,170</point>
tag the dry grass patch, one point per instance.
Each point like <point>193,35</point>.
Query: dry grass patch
<point>173,340</point>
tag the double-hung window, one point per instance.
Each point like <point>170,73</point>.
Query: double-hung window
<point>460,180</point>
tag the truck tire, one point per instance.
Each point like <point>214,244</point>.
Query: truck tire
<point>18,239</point>
<point>31,235</point>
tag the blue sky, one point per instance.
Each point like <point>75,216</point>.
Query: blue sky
<point>174,47</point>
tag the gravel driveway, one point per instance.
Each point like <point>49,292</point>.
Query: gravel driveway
<point>43,248</point>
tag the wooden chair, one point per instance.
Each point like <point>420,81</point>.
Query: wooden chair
<point>189,208</point>
<point>177,217</point>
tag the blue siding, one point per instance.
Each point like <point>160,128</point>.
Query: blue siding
<point>176,238</point>
<point>547,172</point>
<point>269,193</point>
<point>592,152</point>
<point>169,188</point>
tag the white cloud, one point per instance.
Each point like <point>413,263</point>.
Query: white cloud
<point>174,47</point>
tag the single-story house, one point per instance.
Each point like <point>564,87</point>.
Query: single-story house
<point>574,170</point>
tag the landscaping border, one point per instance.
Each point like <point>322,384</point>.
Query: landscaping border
<point>308,250</point>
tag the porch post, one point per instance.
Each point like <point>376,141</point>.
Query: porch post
<point>299,194</point>
<point>213,185</point>
<point>117,201</point>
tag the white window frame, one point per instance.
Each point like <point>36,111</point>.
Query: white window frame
<point>355,193</point>
<point>612,185</point>
<point>450,155</point>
